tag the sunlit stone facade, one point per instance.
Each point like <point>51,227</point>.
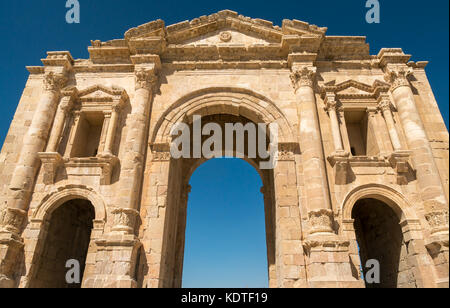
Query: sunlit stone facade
<point>86,171</point>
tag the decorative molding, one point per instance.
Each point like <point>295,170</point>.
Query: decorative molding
<point>400,163</point>
<point>303,76</point>
<point>54,82</point>
<point>340,161</point>
<point>438,220</point>
<point>13,220</point>
<point>397,75</point>
<point>124,220</point>
<point>145,79</point>
<point>105,165</point>
<point>321,221</point>
<point>50,164</point>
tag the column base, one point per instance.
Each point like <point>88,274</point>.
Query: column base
<point>11,252</point>
<point>438,248</point>
<point>115,263</point>
<point>329,262</point>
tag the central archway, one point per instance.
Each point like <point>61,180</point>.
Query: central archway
<point>165,204</point>
<point>225,234</point>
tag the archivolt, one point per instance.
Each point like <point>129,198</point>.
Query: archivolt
<point>234,101</point>
<point>66,193</point>
<point>388,195</point>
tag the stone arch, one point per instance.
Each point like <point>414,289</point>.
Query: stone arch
<point>394,199</point>
<point>41,220</point>
<point>401,229</point>
<point>66,193</point>
<point>234,101</point>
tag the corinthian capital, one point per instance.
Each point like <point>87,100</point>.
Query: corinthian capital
<point>54,81</point>
<point>12,220</point>
<point>303,76</point>
<point>330,102</point>
<point>145,79</point>
<point>385,104</point>
<point>397,75</point>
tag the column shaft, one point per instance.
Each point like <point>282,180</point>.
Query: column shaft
<point>316,185</point>
<point>393,134</point>
<point>110,135</point>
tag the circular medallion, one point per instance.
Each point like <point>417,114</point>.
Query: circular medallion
<point>225,36</point>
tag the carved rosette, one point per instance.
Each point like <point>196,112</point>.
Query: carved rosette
<point>303,77</point>
<point>54,82</point>
<point>124,220</point>
<point>398,76</point>
<point>12,220</point>
<point>321,221</point>
<point>145,79</point>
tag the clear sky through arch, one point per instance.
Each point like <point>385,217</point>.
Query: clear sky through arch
<point>225,232</point>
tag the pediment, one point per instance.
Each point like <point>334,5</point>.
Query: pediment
<point>354,88</point>
<point>228,36</point>
<point>103,93</point>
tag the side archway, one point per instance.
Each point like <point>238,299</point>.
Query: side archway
<point>63,227</point>
<point>66,193</point>
<point>383,227</point>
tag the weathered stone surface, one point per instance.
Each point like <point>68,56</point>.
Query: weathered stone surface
<point>364,156</point>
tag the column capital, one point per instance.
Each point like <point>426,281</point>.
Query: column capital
<point>385,104</point>
<point>12,220</point>
<point>303,76</point>
<point>321,221</point>
<point>397,75</point>
<point>66,104</point>
<point>54,81</point>
<point>330,101</point>
<point>146,77</point>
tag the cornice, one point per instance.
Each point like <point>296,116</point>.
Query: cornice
<point>294,42</point>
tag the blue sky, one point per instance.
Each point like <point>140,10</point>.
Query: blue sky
<point>231,216</point>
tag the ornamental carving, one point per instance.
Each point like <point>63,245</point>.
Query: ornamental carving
<point>54,82</point>
<point>124,220</point>
<point>398,76</point>
<point>225,36</point>
<point>12,220</point>
<point>303,77</point>
<point>145,79</point>
<point>385,104</point>
<point>438,220</point>
<point>161,156</point>
<point>321,220</point>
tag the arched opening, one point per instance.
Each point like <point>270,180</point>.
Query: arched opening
<point>225,235</point>
<point>66,237</point>
<point>179,172</point>
<point>379,236</point>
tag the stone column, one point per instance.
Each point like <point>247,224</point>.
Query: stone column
<point>13,217</point>
<point>121,244</point>
<point>386,108</point>
<point>327,255</point>
<point>331,106</point>
<point>428,179</point>
<point>136,141</point>
<point>316,185</point>
<point>63,110</point>
<point>111,131</point>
